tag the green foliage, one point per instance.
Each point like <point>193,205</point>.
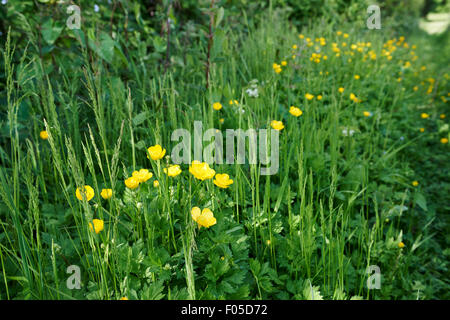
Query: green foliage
<point>341,201</point>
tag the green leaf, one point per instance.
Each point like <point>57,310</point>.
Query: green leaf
<point>420,200</point>
<point>104,48</point>
<point>140,118</point>
<point>310,292</point>
<point>220,14</point>
<point>50,31</point>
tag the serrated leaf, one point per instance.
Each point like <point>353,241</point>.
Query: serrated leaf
<point>311,293</point>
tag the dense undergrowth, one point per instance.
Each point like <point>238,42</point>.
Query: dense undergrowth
<point>362,180</point>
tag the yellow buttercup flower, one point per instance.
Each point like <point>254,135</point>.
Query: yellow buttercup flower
<point>442,116</point>
<point>221,120</point>
<point>44,135</point>
<point>87,191</point>
<point>296,112</point>
<point>173,170</point>
<point>195,213</point>
<point>284,63</point>
<point>98,225</point>
<point>367,113</point>
<point>223,180</point>
<point>341,90</point>
<point>106,193</point>
<point>201,170</point>
<point>156,183</point>
<point>415,183</point>
<point>294,46</point>
<point>424,115</point>
<point>309,96</point>
<point>123,298</point>
<point>357,77</point>
<point>217,106</point>
<point>156,152</point>
<point>352,96</point>
<point>142,175</point>
<point>444,140</point>
<point>132,183</point>
<point>319,97</point>
<point>276,67</point>
<point>204,218</point>
<point>401,245</point>
<point>422,129</point>
<point>277,125</point>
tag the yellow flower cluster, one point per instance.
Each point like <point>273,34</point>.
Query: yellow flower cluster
<point>98,225</point>
<point>277,125</point>
<point>217,106</point>
<point>222,180</point>
<point>142,175</point>
<point>44,135</point>
<point>156,152</point>
<point>309,96</point>
<point>317,56</point>
<point>138,177</point>
<point>354,98</point>
<point>106,193</point>
<point>201,170</point>
<point>277,68</point>
<point>86,191</point>
<point>296,112</point>
<point>172,171</point>
<point>204,218</point>
<point>132,183</point>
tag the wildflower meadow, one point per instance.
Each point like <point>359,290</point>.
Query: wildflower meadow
<point>228,149</point>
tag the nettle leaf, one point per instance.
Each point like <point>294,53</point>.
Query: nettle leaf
<point>310,292</point>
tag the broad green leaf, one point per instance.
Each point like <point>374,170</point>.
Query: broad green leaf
<point>50,31</point>
<point>420,200</point>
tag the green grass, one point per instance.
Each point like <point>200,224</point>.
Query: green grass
<point>337,205</point>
